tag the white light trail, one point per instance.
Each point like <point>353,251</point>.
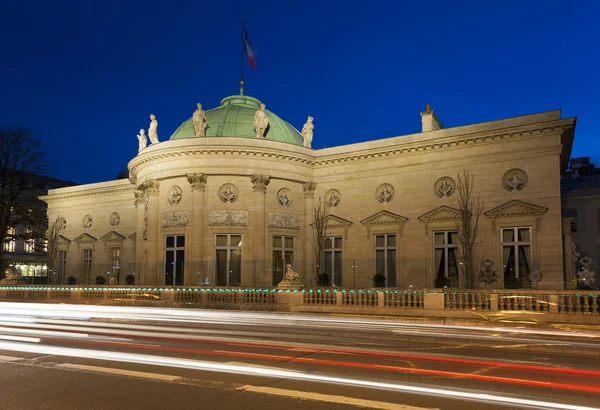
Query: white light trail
<point>247,370</point>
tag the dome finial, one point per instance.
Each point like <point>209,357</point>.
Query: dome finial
<point>242,84</point>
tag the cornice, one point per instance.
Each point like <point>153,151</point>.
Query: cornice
<point>322,159</point>
<point>108,191</point>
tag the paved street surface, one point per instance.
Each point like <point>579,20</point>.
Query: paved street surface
<point>104,357</point>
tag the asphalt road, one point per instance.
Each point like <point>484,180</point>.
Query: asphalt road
<point>106,357</point>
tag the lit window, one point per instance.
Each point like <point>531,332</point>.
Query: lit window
<point>283,254</point>
<point>228,249</point>
<point>9,242</point>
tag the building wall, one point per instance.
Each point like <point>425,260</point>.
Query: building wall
<point>410,164</point>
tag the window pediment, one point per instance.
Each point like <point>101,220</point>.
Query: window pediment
<point>384,218</point>
<point>441,214</point>
<point>133,236</point>
<point>85,238</point>
<point>62,239</point>
<point>333,222</point>
<point>113,236</point>
<point>515,209</point>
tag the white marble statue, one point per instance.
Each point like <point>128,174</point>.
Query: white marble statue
<point>385,195</point>
<point>200,121</point>
<point>261,122</point>
<point>514,183</point>
<point>228,195</point>
<point>143,141</point>
<point>153,130</point>
<point>307,132</point>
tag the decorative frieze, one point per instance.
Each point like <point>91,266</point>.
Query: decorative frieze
<point>287,221</point>
<point>174,219</point>
<point>228,218</point>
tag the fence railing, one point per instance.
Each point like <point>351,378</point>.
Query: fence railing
<point>429,302</point>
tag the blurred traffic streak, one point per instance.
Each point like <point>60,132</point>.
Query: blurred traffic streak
<point>354,351</point>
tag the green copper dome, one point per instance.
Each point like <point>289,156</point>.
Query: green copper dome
<point>235,118</point>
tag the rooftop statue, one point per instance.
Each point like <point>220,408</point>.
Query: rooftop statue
<point>261,121</point>
<point>143,141</point>
<point>153,130</point>
<point>200,121</point>
<point>307,132</point>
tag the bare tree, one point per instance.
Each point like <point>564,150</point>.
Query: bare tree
<point>20,156</point>
<point>52,248</point>
<point>319,232</point>
<point>468,226</point>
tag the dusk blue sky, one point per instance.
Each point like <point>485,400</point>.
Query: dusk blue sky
<point>85,75</point>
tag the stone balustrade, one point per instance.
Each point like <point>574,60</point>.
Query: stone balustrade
<point>536,305</point>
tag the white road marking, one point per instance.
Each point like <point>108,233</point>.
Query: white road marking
<point>328,398</point>
<point>10,358</point>
<point>110,370</point>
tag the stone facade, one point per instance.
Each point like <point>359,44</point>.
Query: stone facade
<point>411,168</point>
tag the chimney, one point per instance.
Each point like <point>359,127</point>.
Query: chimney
<point>429,120</point>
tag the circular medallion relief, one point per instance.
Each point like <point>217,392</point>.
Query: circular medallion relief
<point>385,193</point>
<point>87,221</point>
<point>228,193</point>
<point>333,198</point>
<point>115,218</point>
<point>284,197</point>
<point>514,180</point>
<point>62,224</point>
<point>174,195</point>
<point>444,187</point>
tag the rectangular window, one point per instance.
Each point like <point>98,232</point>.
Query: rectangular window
<point>333,262</point>
<point>385,261</point>
<point>9,243</point>
<point>174,260</point>
<point>61,266</point>
<point>115,262</point>
<point>445,256</point>
<point>29,245</point>
<point>86,265</point>
<point>228,257</point>
<point>283,254</point>
<point>516,257</point>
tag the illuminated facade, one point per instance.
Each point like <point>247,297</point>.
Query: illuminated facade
<point>232,208</point>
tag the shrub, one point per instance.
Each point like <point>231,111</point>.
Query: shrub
<point>323,279</point>
<point>441,282</point>
<point>71,280</point>
<point>100,280</point>
<point>130,279</point>
<point>378,280</point>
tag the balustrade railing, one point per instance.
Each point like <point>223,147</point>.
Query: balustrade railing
<point>321,296</point>
<point>403,299</point>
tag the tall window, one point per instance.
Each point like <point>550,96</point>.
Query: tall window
<point>61,266</point>
<point>333,261</point>
<point>283,254</point>
<point>385,260</point>
<point>228,266</point>
<point>116,264</point>
<point>174,260</point>
<point>516,257</point>
<point>445,254</point>
<point>86,264</point>
<point>9,243</point>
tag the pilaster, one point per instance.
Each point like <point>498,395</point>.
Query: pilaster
<point>152,188</point>
<point>140,245</point>
<point>308,192</point>
<point>570,279</point>
<point>196,244</point>
<point>259,187</point>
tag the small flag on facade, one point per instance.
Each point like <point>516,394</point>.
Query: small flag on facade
<point>249,52</point>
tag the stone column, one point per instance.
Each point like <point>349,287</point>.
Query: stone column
<point>259,183</point>
<point>196,243</point>
<point>570,279</point>
<point>152,187</point>
<point>140,244</point>
<point>308,189</point>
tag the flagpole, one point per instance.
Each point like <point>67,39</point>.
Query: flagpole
<point>242,61</point>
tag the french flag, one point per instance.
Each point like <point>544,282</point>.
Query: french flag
<point>249,52</point>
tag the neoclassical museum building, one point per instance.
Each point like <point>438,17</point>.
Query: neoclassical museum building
<point>230,198</point>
